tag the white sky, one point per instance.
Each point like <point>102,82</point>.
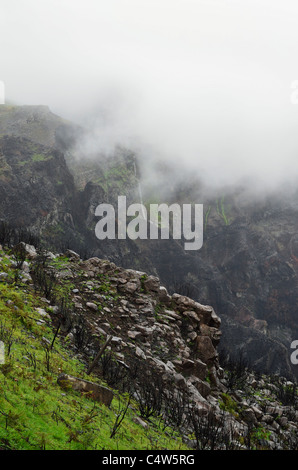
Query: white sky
<point>206,82</point>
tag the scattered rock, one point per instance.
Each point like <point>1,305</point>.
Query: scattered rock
<point>205,349</point>
<point>23,249</point>
<point>92,306</point>
<point>96,391</point>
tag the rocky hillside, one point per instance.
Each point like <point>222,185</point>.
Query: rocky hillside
<point>246,269</point>
<point>131,336</point>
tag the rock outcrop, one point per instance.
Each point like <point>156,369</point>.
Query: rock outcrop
<point>174,334</point>
<point>95,391</point>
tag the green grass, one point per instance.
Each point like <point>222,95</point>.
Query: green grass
<point>220,207</point>
<point>206,217</point>
<point>35,157</point>
<point>39,157</point>
<point>35,412</point>
<point>227,403</point>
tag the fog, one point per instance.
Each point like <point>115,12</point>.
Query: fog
<point>206,85</point>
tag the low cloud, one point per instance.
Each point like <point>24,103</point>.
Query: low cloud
<point>202,85</point>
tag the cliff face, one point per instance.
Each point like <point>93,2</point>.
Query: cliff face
<point>35,184</point>
<point>247,269</point>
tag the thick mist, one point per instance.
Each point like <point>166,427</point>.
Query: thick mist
<point>205,86</point>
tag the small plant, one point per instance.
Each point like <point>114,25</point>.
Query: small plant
<point>47,351</point>
<point>259,437</point>
<point>228,404</point>
<point>7,337</point>
<point>142,280</point>
<point>120,415</point>
<point>39,157</point>
<point>207,217</point>
<point>32,359</point>
<point>221,210</point>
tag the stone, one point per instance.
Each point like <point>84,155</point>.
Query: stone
<point>72,255</point>
<point>195,367</point>
<point>145,331</point>
<point>192,335</point>
<point>258,413</point>
<point>151,283</point>
<point>183,302</point>
<point>134,334</point>
<point>215,320</point>
<point>249,416</point>
<point>139,421</point>
<point>191,315</point>
<point>203,387</point>
<point>213,377</point>
<point>140,353</point>
<point>164,296</point>
<point>26,267</point>
<point>129,287</point>
<point>179,380</point>
<point>92,306</point>
<point>172,314</point>
<point>97,392</point>
<point>42,313</point>
<point>94,261</point>
<point>212,332</point>
<point>28,251</point>
<point>204,347</point>
<point>268,419</point>
<point>116,340</point>
<point>274,410</point>
<point>282,421</point>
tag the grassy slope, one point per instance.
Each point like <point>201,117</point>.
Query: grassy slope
<point>35,413</point>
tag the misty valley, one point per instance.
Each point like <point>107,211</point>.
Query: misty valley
<point>203,300</point>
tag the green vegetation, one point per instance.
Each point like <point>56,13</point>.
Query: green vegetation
<point>143,279</point>
<point>221,210</point>
<point>35,157</point>
<point>116,179</point>
<point>206,217</point>
<point>39,157</point>
<point>35,412</point>
<point>227,403</point>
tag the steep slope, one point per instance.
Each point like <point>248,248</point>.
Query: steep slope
<point>246,269</point>
<point>158,369</point>
<point>37,191</point>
